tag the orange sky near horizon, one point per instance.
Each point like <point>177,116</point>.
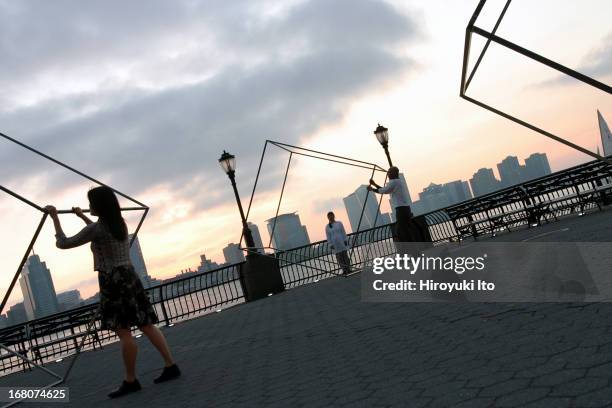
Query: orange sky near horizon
<point>435,136</point>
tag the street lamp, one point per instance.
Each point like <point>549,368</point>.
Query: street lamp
<point>227,162</point>
<point>382,135</point>
<point>260,275</point>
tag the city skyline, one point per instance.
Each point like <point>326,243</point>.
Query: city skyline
<point>110,113</point>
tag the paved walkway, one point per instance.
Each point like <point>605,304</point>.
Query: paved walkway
<point>319,345</point>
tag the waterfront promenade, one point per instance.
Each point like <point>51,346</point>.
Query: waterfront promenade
<point>318,345</point>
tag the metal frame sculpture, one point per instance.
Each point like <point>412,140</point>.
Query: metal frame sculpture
<point>140,207</point>
<point>492,37</point>
<point>315,154</point>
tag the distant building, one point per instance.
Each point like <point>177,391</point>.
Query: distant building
<point>510,171</point>
<point>256,237</point>
<point>39,296</point>
<point>484,182</point>
<point>385,219</point>
<point>233,254</point>
<point>606,135</point>
<point>434,197</point>
<point>4,321</point>
<point>354,204</point>
<point>288,232</point>
<point>418,208</point>
<point>139,263</point>
<point>16,314</point>
<point>92,299</point>
<point>536,166</point>
<point>207,264</point>
<point>69,299</point>
<point>457,191</point>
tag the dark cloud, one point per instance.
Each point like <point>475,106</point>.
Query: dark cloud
<point>278,77</point>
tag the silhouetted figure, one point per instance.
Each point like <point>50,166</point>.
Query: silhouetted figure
<point>405,231</point>
<point>338,242</point>
<point>123,300</point>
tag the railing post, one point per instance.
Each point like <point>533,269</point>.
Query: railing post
<point>163,305</point>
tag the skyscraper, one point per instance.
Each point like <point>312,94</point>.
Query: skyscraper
<point>139,262</point>
<point>232,254</point>
<point>510,171</point>
<point>4,321</point>
<point>16,314</point>
<point>288,232</point>
<point>536,166</point>
<point>434,197</point>
<point>207,264</point>
<point>457,191</point>
<point>354,204</point>
<point>256,237</point>
<point>385,219</point>
<point>606,135</point>
<point>484,182</point>
<point>39,296</point>
<point>69,299</point>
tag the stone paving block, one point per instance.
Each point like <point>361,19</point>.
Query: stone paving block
<point>320,346</point>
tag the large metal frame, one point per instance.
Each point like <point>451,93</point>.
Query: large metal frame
<point>220,288</point>
<point>492,37</point>
<point>139,207</point>
<point>314,154</point>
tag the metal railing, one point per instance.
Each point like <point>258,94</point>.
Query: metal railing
<point>573,190</point>
<point>310,263</point>
<point>576,189</point>
<point>58,335</point>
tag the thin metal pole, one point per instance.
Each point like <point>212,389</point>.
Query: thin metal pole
<point>23,261</point>
<point>135,233</point>
<point>550,63</point>
<point>90,325</point>
<point>245,228</point>
<point>466,47</point>
<point>365,202</point>
<point>263,153</point>
<point>327,154</point>
<point>20,198</point>
<point>336,161</point>
<point>280,198</point>
<point>68,167</point>
<point>537,129</point>
<point>484,49</point>
<point>386,148</point>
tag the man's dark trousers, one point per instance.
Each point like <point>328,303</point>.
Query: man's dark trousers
<point>345,261</point>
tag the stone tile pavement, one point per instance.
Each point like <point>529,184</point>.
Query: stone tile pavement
<point>319,345</point>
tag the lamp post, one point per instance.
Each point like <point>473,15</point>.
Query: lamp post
<point>382,135</point>
<point>227,162</point>
<point>260,275</point>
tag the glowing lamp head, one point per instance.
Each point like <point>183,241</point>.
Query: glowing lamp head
<point>227,162</point>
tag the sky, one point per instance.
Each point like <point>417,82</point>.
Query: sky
<point>145,96</point>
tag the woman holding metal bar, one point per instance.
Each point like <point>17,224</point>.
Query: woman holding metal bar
<point>123,300</point>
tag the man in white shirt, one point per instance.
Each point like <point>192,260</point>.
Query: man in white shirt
<point>338,242</point>
<point>399,201</point>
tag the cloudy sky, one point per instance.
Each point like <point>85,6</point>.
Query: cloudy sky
<point>146,95</point>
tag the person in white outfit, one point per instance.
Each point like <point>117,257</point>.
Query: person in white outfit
<point>401,203</point>
<point>338,242</point>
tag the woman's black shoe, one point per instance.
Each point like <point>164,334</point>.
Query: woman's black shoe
<point>169,373</point>
<point>126,388</point>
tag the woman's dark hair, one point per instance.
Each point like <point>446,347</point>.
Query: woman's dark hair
<point>103,201</point>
